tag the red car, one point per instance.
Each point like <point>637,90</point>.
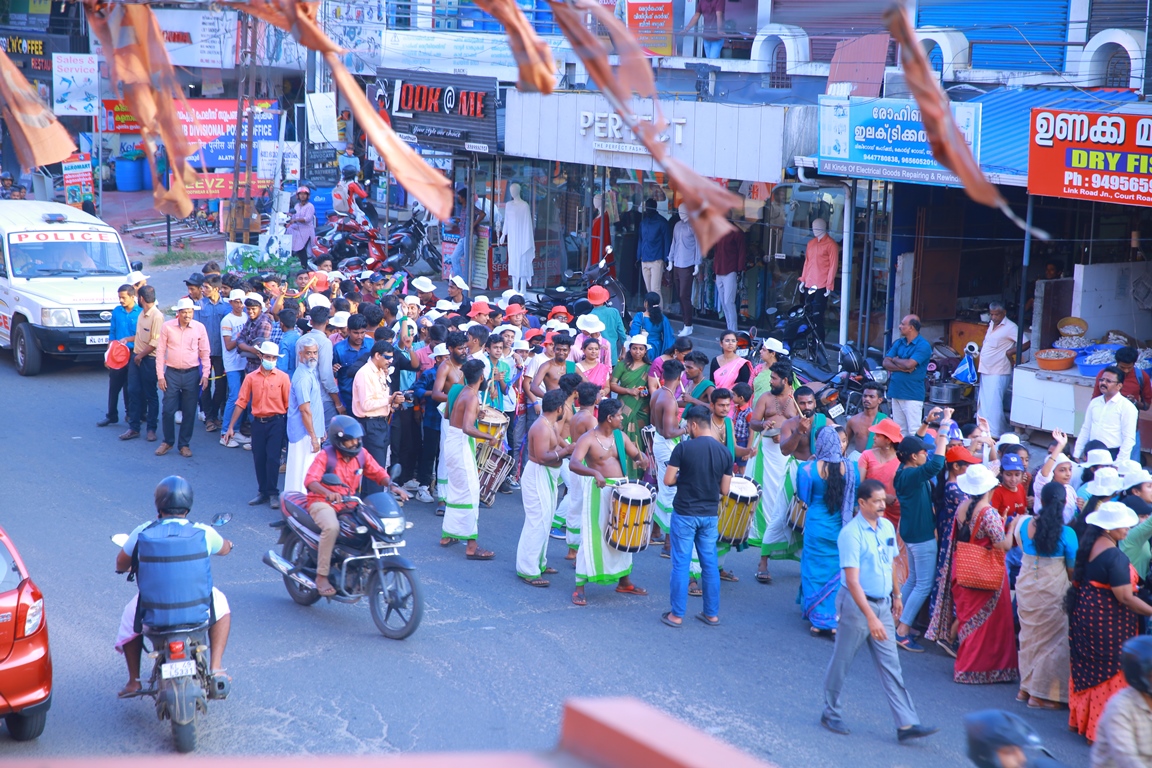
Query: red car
<point>25,662</point>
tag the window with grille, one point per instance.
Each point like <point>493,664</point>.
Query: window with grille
<point>1119,71</point>
<point>779,77</point>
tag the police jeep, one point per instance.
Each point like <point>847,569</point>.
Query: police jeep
<point>59,274</point>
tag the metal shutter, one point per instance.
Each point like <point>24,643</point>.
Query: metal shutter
<point>1035,21</point>
<point>1116,14</point>
<point>827,23</point>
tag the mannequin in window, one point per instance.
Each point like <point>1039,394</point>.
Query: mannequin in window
<point>685,257</point>
<point>655,241</point>
<point>601,234</point>
<point>519,234</point>
<point>821,260</point>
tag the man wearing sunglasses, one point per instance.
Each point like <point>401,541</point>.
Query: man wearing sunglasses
<point>372,404</point>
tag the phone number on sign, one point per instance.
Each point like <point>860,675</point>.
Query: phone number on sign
<point>1122,183</point>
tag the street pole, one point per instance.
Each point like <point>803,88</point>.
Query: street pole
<point>245,55</point>
<point>1024,282</point>
<point>99,165</point>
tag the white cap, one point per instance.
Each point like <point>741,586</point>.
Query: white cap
<point>447,306</point>
<point>184,303</point>
<point>433,314</point>
<point>459,282</point>
<point>254,297</point>
<point>467,325</point>
<point>503,302</point>
<point>423,285</point>
<point>590,324</point>
<point>1112,515</point>
<point>1008,438</point>
<point>440,350</point>
<point>318,300</point>
<point>775,345</point>
<point>977,480</point>
<point>268,348</point>
<point>1098,457</point>
<point>365,274</point>
<point>506,327</point>
<point>1127,467</point>
<point>481,300</point>
<point>236,295</point>
<point>640,338</point>
<point>412,300</point>
<point>335,275</point>
<point>135,277</point>
<point>1106,482</point>
<point>521,346</point>
<point>340,320</point>
<point>1132,479</point>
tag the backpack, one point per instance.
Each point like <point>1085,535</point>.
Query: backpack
<point>340,197</point>
<point>330,465</point>
<point>173,572</point>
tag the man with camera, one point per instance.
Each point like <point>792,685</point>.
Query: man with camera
<point>372,404</point>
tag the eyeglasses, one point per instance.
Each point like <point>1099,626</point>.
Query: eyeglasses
<point>1109,381</point>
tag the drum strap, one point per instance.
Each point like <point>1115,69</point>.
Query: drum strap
<point>729,437</point>
<point>879,418</point>
<point>453,392</point>
<point>621,454</point>
<point>818,423</point>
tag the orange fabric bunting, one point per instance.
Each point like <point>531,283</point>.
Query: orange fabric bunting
<point>37,135</point>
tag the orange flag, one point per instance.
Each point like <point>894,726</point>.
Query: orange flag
<point>140,70</point>
<point>37,135</point>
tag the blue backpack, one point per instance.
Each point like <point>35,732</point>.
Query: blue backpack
<point>174,575</point>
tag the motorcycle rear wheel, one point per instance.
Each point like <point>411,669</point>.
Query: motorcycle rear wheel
<point>396,602</point>
<point>296,553</point>
<point>184,736</point>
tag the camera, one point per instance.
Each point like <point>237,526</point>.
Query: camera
<point>409,396</point>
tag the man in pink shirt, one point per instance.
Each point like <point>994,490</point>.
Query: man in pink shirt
<point>821,260</point>
<point>182,368</point>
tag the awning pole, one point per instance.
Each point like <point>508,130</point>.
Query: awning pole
<point>846,260</point>
<point>1024,284</point>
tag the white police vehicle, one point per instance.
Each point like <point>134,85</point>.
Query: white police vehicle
<point>59,276</point>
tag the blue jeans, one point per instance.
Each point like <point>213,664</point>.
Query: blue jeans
<point>712,48</point>
<point>921,574</point>
<point>235,379</point>
<point>687,530</point>
<point>459,260</point>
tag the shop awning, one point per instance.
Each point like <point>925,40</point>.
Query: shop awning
<point>1005,117</point>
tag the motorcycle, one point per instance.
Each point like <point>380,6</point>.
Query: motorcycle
<point>797,330</point>
<point>182,680</point>
<point>406,248</point>
<point>366,561</point>
<point>575,289</point>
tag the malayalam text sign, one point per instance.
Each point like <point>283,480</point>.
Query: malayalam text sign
<point>885,139</point>
<point>651,22</point>
<point>1090,156</point>
<point>75,84</point>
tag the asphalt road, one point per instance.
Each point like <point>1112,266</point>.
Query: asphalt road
<point>488,669</point>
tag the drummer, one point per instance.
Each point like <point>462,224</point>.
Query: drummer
<point>665,417</point>
<point>720,426</point>
<point>447,375</point>
<point>701,471</point>
<point>546,452</point>
<point>463,490</point>
<point>568,512</point>
<point>597,455</point>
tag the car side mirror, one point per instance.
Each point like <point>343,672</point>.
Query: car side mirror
<point>120,539</point>
<point>137,266</point>
<point>221,519</point>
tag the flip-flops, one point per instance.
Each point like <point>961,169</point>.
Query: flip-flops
<point>763,577</point>
<point>728,576</point>
<point>579,599</point>
<point>713,622</point>
<point>536,582</point>
<point>481,554</point>
<point>449,542</point>
<point>665,617</point>
<point>632,590</point>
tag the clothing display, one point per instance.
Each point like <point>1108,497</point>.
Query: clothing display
<point>519,233</point>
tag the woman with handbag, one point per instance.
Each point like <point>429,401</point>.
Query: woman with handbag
<point>1103,612</point>
<point>1049,554</point>
<point>942,624</point>
<point>987,652</point>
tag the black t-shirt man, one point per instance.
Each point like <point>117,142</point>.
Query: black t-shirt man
<point>702,463</point>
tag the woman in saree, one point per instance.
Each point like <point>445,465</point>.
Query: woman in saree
<point>1049,554</point>
<point>728,368</point>
<point>679,349</point>
<point>630,383</point>
<point>987,652</point>
<point>827,484</point>
<point>591,368</point>
<point>942,626</point>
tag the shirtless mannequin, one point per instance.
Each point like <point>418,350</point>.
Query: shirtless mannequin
<point>594,455</point>
<point>859,424</point>
<point>548,377</point>
<point>465,411</point>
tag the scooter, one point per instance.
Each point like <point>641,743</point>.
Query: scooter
<point>366,561</point>
<point>181,681</point>
<point>798,331</point>
<point>575,288</point>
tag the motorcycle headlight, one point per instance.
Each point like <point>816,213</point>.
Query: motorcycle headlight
<point>879,375</point>
<point>393,526</point>
<point>55,318</point>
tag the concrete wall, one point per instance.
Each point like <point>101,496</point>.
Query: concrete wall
<point>1103,297</point>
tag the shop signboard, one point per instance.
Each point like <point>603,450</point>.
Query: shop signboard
<point>885,139</point>
<point>193,38</point>
<point>481,54</point>
<point>651,23</point>
<point>77,172</point>
<point>219,186</point>
<point>322,167</point>
<point>1104,157</point>
<point>76,83</point>
<point>209,125</point>
<point>289,152</point>
<point>441,110</point>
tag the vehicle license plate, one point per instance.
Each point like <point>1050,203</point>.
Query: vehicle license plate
<point>178,669</point>
<point>386,545</point>
<point>836,411</point>
<point>97,340</point>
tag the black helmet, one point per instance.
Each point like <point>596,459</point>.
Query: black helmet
<point>5,176</point>
<point>349,173</point>
<point>851,361</point>
<point>991,729</point>
<point>345,428</point>
<point>1136,662</point>
<point>173,496</point>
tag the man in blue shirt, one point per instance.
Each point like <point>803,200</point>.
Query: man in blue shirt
<point>289,335</point>
<point>346,355</point>
<point>121,328</point>
<point>867,546</point>
<point>305,415</point>
<point>210,310</point>
<point>907,364</point>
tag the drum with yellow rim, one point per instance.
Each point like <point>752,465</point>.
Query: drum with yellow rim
<point>630,522</point>
<point>492,422</point>
<point>736,509</point>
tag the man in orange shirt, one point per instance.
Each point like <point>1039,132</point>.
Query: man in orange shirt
<point>182,368</point>
<point>267,388</point>
<point>821,261</point>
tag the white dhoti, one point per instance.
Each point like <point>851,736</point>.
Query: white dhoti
<point>128,632</point>
<point>780,541</point>
<point>300,457</point>
<point>538,486</point>
<point>462,491</point>
<point>442,464</point>
<point>596,562</point>
<point>564,510</point>
<point>991,402</point>
<point>767,470</point>
<point>662,451</point>
<point>573,528</point>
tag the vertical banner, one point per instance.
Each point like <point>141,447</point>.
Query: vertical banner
<point>651,22</point>
<point>76,83</point>
<point>77,179</point>
<point>321,110</point>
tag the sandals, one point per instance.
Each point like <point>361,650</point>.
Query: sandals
<point>763,577</point>
<point>550,570</point>
<point>448,541</point>
<point>481,554</point>
<point>713,621</point>
<point>579,599</point>
<point>666,618</point>
<point>330,592</point>
<point>127,694</point>
<point>728,576</point>
<point>1035,703</point>
<point>537,582</point>
<point>1020,695</point>
<point>632,589</point>
<point>694,589</point>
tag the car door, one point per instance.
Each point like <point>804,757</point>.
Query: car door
<point>6,299</point>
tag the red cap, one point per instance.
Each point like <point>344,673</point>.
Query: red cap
<point>960,453</point>
<point>597,295</point>
<point>117,355</point>
<point>514,309</point>
<point>889,429</point>
<point>549,336</point>
<point>558,309</point>
<point>480,309</point>
<point>533,333</point>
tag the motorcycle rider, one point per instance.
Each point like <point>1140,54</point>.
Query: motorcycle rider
<point>345,457</point>
<point>173,498</point>
<point>999,739</point>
